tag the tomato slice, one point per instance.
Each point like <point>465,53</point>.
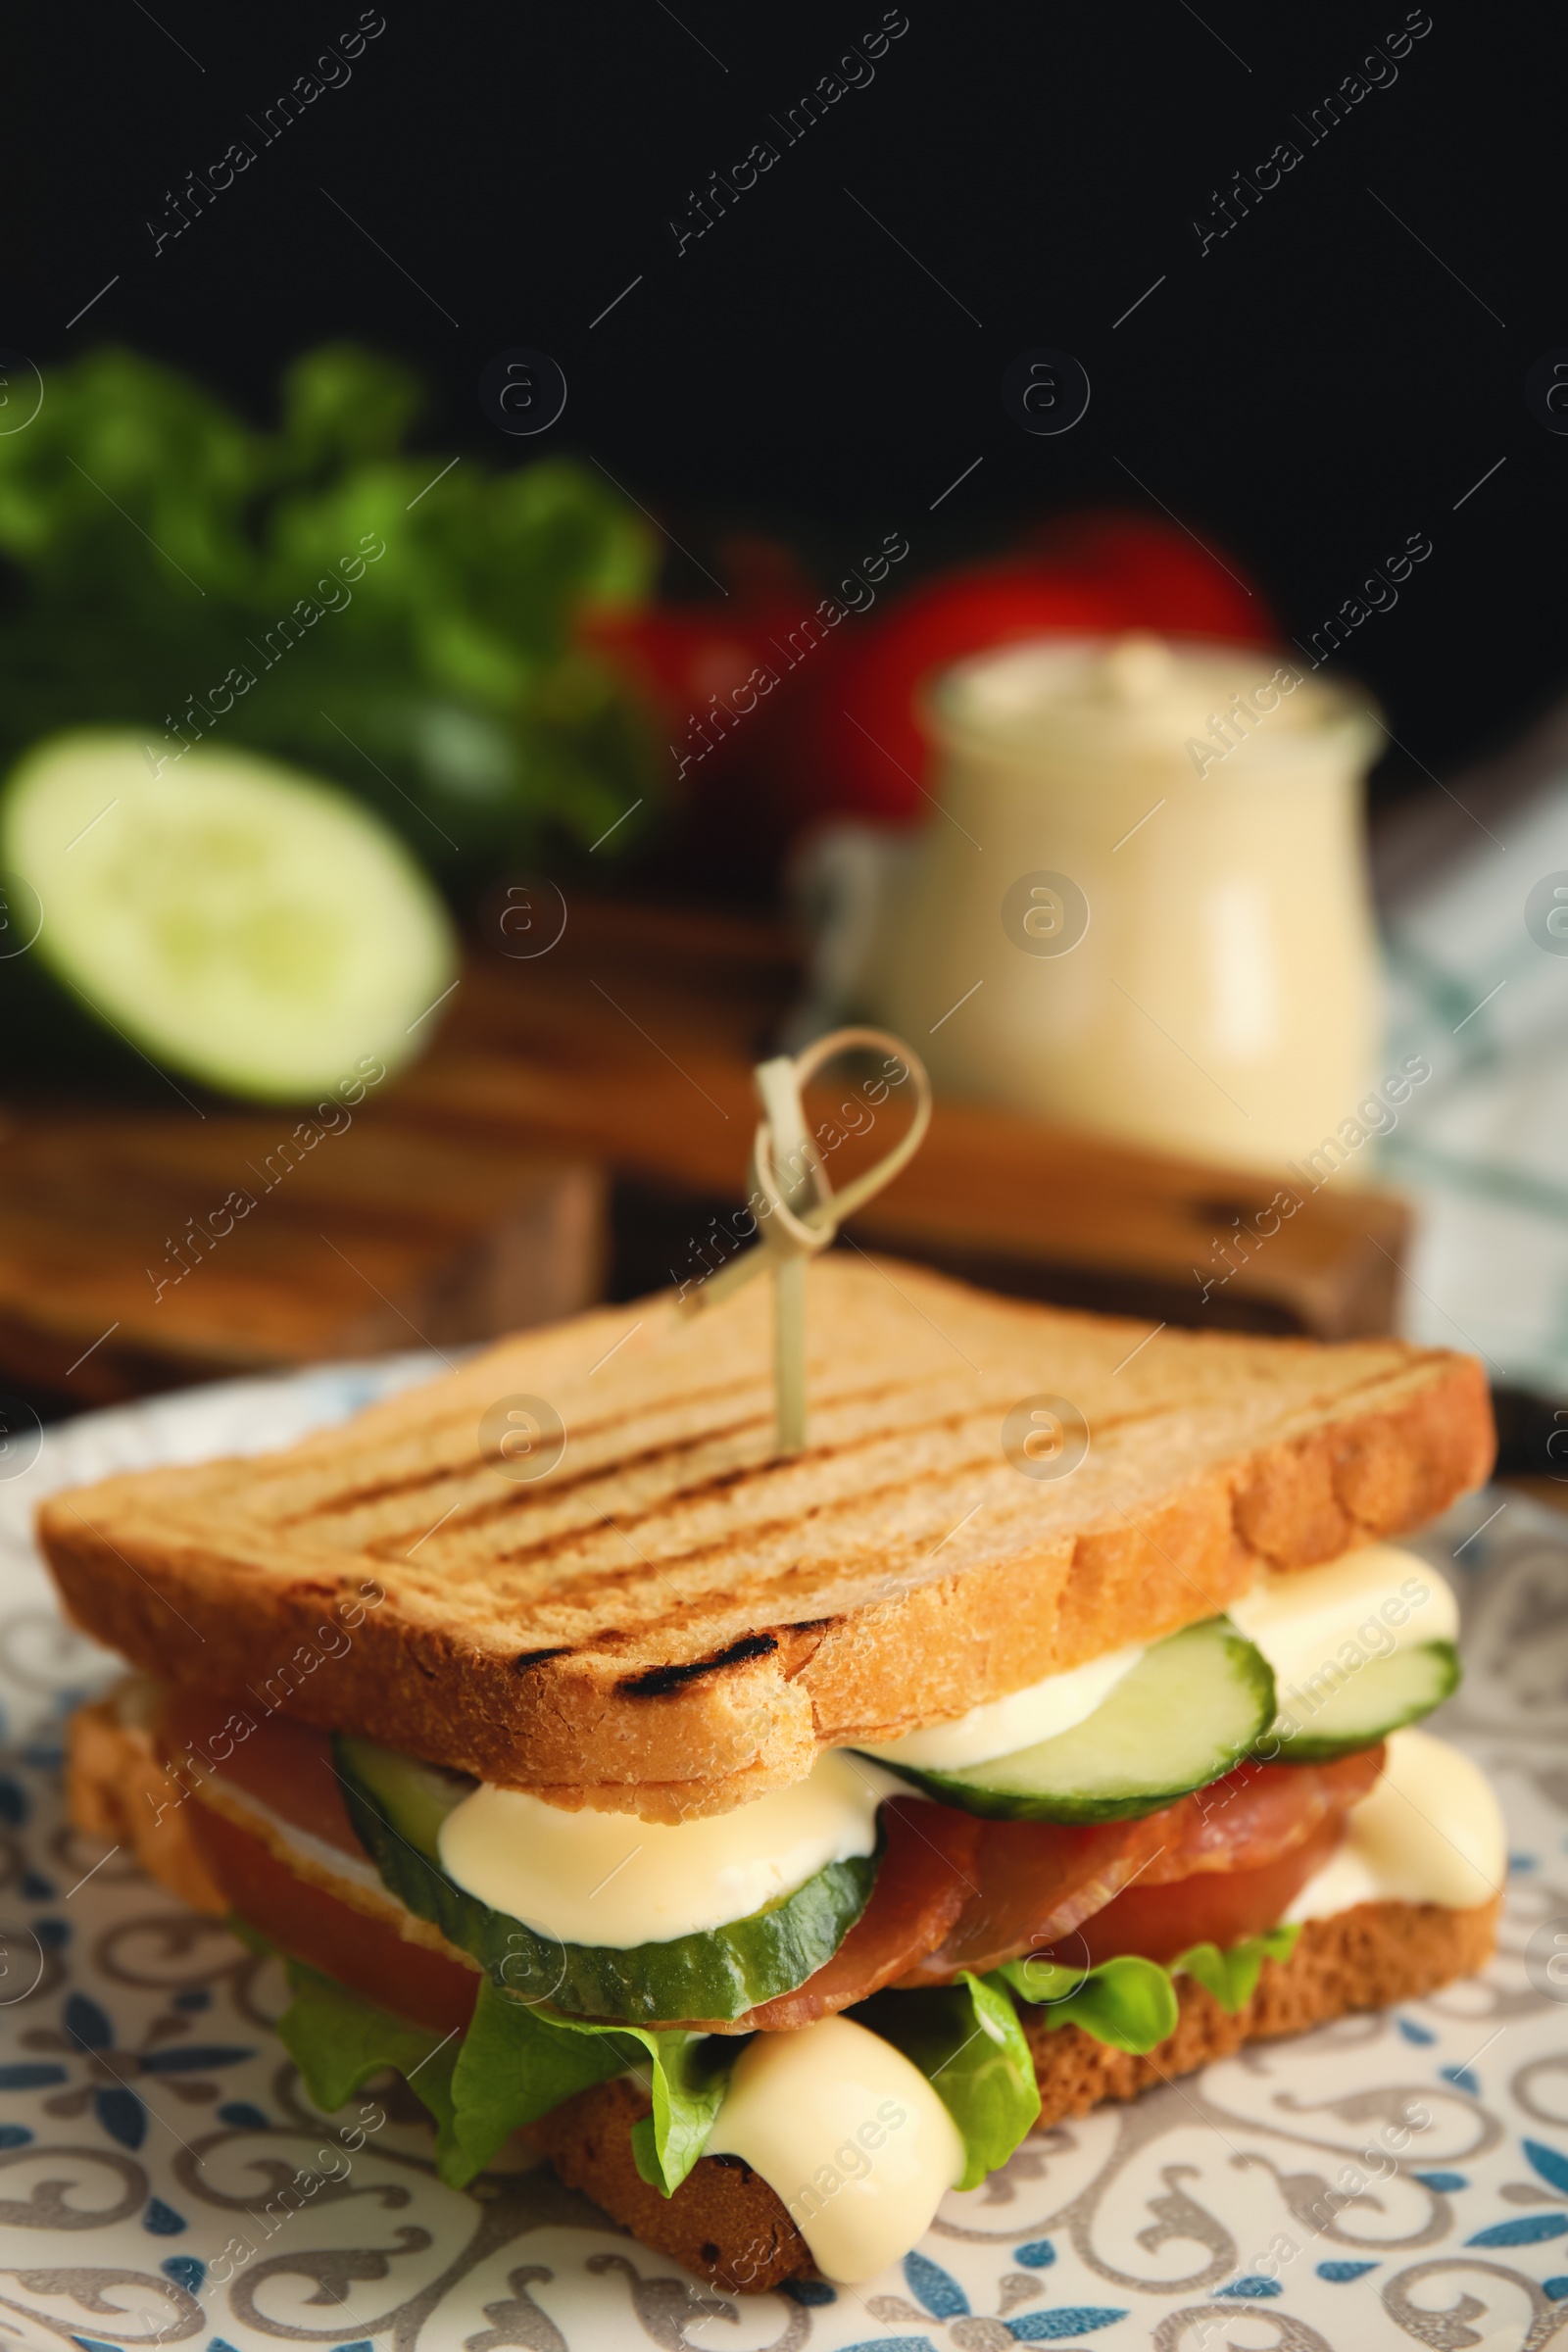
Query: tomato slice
<point>1211,1906</point>
<point>287,1765</point>
<point>365,1954</point>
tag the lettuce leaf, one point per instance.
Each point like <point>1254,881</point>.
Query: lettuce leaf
<point>338,2040</point>
<point>514,2065</point>
<point>965,2039</point>
<point>520,2061</point>
<point>1231,1976</point>
<point>247,595</point>
<point>517,2061</point>
<point>1130,2003</point>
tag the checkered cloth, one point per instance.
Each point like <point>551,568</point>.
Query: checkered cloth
<point>1483,1145</point>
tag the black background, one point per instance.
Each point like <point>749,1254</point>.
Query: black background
<point>1306,395</point>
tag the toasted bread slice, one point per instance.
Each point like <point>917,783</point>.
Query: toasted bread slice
<point>670,1620</point>
<point>725,2223</point>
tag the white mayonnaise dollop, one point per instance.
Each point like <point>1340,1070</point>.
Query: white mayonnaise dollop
<point>613,1879</point>
<point>1312,1623</point>
<point>1430,1831</point>
<point>850,2136</point>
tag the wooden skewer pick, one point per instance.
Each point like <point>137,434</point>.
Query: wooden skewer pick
<point>791,1192</point>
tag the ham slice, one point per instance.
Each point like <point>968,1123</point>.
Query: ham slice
<point>286,1765</point>
<point>1210,1907</point>
<point>1039,1880</point>
<point>954,1892</point>
<point>927,1876</point>
<point>1258,1812</point>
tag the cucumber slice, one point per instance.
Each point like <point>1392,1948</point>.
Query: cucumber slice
<point>1379,1698</point>
<point>235,921</point>
<point>1192,1707</point>
<point>396,1806</point>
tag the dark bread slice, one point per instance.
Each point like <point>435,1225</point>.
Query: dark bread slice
<point>673,1621</point>
<point>727,2225</point>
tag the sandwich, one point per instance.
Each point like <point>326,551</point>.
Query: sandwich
<point>775,1842</point>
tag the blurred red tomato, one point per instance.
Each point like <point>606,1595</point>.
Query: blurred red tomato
<point>862,750</point>
<point>832,730</point>
<point>1174,584</point>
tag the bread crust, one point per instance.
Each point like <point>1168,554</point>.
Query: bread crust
<point>118,1788</point>
<point>673,1622</point>
<point>726,2224</point>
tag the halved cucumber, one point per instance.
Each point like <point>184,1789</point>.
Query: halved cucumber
<point>1376,1698</point>
<point>1191,1708</point>
<point>398,1805</point>
<point>239,922</point>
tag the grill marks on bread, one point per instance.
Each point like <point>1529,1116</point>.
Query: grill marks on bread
<point>515,1617</point>
<point>664,1531</point>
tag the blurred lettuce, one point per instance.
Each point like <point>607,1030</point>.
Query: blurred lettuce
<point>157,539</point>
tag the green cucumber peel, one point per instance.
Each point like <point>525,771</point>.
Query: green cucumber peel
<point>1348,1705</point>
<point>1130,2003</point>
<point>397,1808</point>
<point>1195,1705</point>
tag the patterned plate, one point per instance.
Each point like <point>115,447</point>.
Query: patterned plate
<point>164,2182</point>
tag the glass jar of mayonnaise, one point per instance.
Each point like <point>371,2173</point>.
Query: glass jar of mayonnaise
<point>1143,907</point>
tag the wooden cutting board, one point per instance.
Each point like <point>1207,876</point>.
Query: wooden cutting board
<point>633,1040</point>
<point>139,1252</point>
<point>469,1198</point>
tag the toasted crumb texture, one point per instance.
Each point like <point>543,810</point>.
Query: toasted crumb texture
<point>1366,1958</point>
<point>668,1619</point>
<point>726,2224</point>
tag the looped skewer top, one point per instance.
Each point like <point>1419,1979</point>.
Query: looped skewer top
<point>789,1189</point>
